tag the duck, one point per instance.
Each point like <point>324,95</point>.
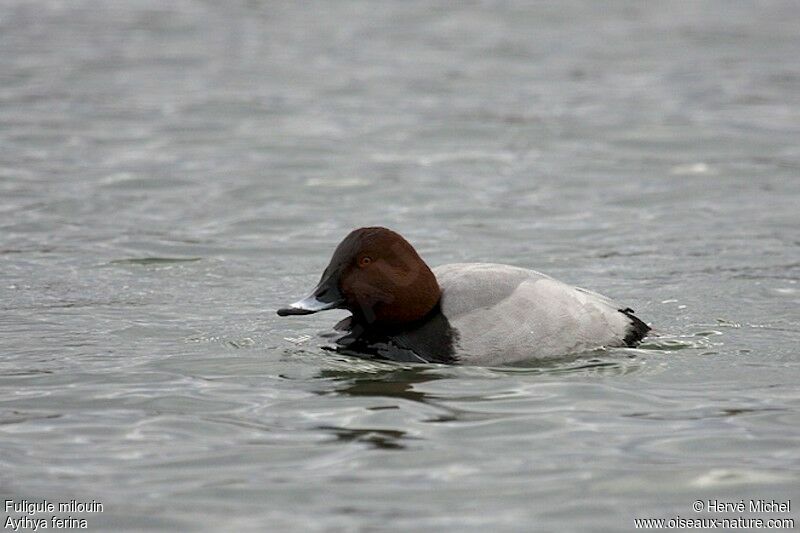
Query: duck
<point>462,313</point>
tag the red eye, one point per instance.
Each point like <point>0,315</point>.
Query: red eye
<point>364,261</point>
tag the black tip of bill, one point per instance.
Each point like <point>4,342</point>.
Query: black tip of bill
<point>287,311</point>
<point>308,305</point>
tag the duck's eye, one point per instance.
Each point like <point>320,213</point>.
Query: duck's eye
<point>364,261</point>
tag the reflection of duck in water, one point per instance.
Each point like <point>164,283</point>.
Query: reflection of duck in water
<point>389,384</point>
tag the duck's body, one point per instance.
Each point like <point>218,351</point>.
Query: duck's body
<point>502,314</point>
<point>471,313</point>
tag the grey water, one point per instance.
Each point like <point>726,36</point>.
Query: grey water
<point>172,172</point>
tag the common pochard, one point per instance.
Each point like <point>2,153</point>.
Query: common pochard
<point>469,313</point>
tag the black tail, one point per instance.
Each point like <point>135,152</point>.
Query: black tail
<point>636,331</point>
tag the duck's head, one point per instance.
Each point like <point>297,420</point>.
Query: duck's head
<point>378,276</point>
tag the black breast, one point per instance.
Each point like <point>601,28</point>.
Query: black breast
<point>430,340</point>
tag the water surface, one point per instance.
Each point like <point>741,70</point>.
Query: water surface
<point>171,173</point>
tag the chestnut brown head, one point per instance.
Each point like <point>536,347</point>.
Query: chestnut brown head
<point>377,275</point>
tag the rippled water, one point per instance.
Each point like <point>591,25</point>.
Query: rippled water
<point>170,173</point>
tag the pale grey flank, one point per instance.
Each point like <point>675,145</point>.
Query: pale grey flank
<point>504,314</point>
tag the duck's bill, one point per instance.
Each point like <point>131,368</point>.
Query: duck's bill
<point>324,297</point>
<point>306,306</point>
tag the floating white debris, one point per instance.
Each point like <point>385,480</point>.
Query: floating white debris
<point>690,169</point>
<point>337,183</point>
<point>722,477</point>
<point>297,340</point>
